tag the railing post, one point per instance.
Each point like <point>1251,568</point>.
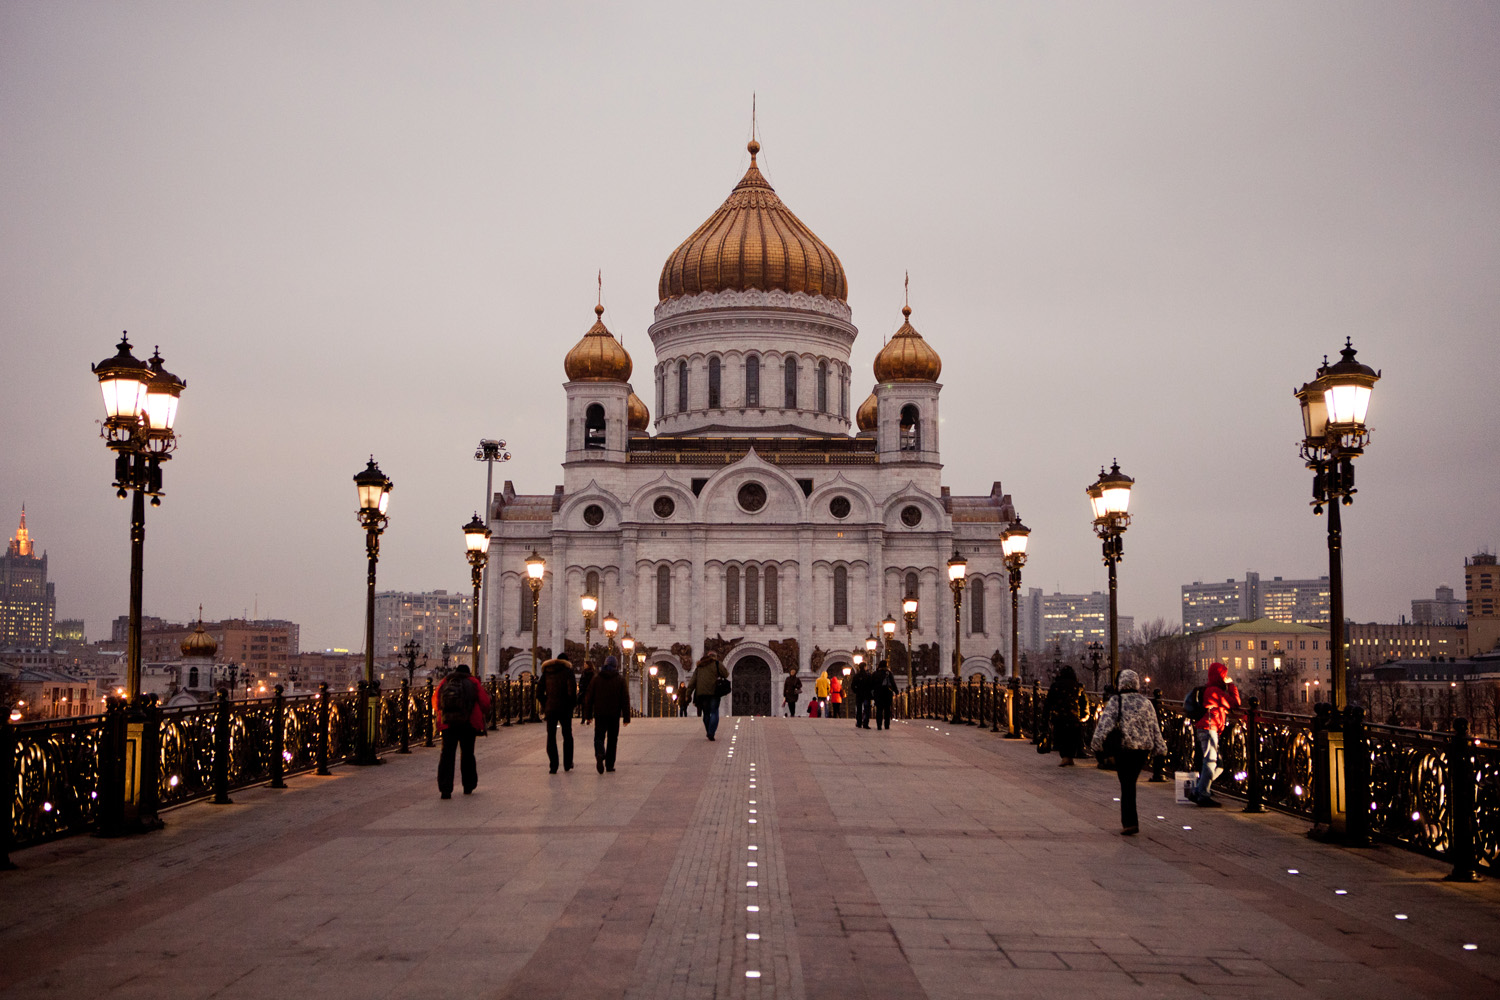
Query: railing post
<point>278,739</point>
<point>1462,847</point>
<point>1255,800</point>
<point>1322,807</point>
<point>1356,778</point>
<point>8,783</point>
<point>995,705</point>
<point>531,714</point>
<point>221,750</point>
<point>494,718</point>
<point>1158,761</point>
<point>111,778</point>
<point>322,728</point>
<point>1036,694</point>
<point>428,722</point>
<point>405,716</point>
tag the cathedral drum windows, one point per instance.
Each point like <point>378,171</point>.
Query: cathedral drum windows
<point>593,427</point>
<point>822,387</point>
<point>682,387</point>
<point>789,370</point>
<point>752,381</point>
<point>715,376</point>
<point>911,428</point>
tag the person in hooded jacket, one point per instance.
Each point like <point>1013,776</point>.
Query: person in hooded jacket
<point>607,702</point>
<point>458,733</point>
<point>1221,698</point>
<point>1140,738</point>
<point>705,691</point>
<point>821,687</point>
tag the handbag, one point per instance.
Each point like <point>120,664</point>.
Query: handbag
<point>721,687</point>
<point>1114,740</point>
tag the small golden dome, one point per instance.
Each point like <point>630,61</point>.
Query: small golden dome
<point>199,644</point>
<point>753,241</point>
<point>598,357</point>
<point>637,417</point>
<point>866,416</point>
<point>907,358</point>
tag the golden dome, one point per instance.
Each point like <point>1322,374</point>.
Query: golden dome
<point>907,358</point>
<point>598,357</point>
<point>637,417</point>
<point>753,241</point>
<point>200,643</point>
<point>866,416</point>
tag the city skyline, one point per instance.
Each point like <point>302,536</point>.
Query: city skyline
<point>1130,234</point>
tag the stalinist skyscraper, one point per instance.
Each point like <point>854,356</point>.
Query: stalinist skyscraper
<point>27,602</point>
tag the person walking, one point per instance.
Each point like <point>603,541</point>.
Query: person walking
<point>1140,737</point>
<point>459,704</point>
<point>558,694</point>
<point>1064,709</point>
<point>821,688</point>
<point>862,685</point>
<point>706,691</point>
<point>607,702</point>
<point>883,691</point>
<point>791,688</point>
<point>1221,698</point>
<point>835,697</point>
<point>584,680</point>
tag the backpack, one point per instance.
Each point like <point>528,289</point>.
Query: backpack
<point>1193,705</point>
<point>456,700</point>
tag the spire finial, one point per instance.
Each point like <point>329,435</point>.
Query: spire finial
<point>753,145</point>
<point>599,306</point>
<point>906,297</point>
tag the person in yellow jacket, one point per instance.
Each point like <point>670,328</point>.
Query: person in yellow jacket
<point>821,689</point>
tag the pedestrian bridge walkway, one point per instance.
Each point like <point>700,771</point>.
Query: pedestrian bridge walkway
<point>789,858</point>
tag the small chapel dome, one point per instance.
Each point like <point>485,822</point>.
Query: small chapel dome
<point>907,358</point>
<point>598,357</point>
<point>199,644</point>
<point>865,418</point>
<point>637,417</point>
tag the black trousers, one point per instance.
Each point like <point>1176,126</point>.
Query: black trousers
<point>882,713</point>
<point>791,706</point>
<point>1128,764</point>
<point>457,739</point>
<point>862,712</point>
<point>606,738</point>
<point>565,720</point>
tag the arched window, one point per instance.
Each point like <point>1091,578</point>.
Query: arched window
<point>591,584</point>
<point>840,596</point>
<point>911,428</point>
<point>910,590</point>
<point>593,427</point>
<point>713,383</point>
<point>525,618</point>
<point>822,387</point>
<point>752,595</point>
<point>752,380</point>
<point>976,605</point>
<point>732,595</point>
<point>192,678</point>
<point>844,396</point>
<point>682,387</point>
<point>769,586</point>
<point>663,595</point>
<point>790,391</point>
<point>661,390</point>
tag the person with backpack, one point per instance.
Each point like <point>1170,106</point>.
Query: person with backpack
<point>1129,731</point>
<point>558,693</point>
<point>791,689</point>
<point>883,690</point>
<point>706,694</point>
<point>459,705</point>
<point>1221,698</point>
<point>607,702</point>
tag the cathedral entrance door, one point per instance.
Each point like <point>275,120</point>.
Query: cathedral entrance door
<point>752,687</point>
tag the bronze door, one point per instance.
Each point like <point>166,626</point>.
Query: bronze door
<point>752,687</point>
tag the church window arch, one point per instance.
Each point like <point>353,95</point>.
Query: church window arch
<point>663,595</point>
<point>591,583</point>
<point>714,376</point>
<point>844,395</point>
<point>822,387</point>
<point>525,618</point>
<point>976,606</point>
<point>192,678</point>
<point>840,595</point>
<point>910,589</point>
<point>772,598</point>
<point>682,387</point>
<point>752,380</point>
<point>732,595</point>
<point>593,427</point>
<point>911,428</point>
<point>790,390</point>
<point>752,595</point>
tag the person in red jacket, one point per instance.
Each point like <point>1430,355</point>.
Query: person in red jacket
<point>459,705</point>
<point>835,697</point>
<point>1220,699</point>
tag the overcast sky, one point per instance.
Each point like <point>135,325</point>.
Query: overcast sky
<point>1132,229</point>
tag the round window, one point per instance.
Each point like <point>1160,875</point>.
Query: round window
<point>752,497</point>
<point>664,506</point>
<point>839,507</point>
<point>911,516</point>
<point>593,514</point>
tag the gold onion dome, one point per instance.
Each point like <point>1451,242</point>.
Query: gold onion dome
<point>637,417</point>
<point>907,358</point>
<point>200,643</point>
<point>865,417</point>
<point>753,241</point>
<point>598,357</point>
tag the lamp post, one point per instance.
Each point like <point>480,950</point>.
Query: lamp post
<point>1110,497</point>
<point>411,648</point>
<point>645,691</point>
<point>1096,652</point>
<point>1013,546</point>
<point>489,451</point>
<point>374,490</point>
<point>477,544</point>
<point>589,604</point>
<point>611,626</point>
<point>909,612</point>
<point>871,645</point>
<point>957,569</point>
<point>1334,405</point>
<point>536,568</point>
<point>887,629</point>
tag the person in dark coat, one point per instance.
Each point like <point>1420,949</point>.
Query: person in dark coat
<point>862,684</point>
<point>791,690</point>
<point>558,693</point>
<point>584,680</point>
<point>607,702</point>
<point>883,690</point>
<point>468,702</point>
<point>1064,708</point>
<point>705,691</point>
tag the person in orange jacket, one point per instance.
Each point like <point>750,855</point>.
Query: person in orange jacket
<point>836,697</point>
<point>459,705</point>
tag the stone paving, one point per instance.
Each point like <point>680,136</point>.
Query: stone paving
<point>788,858</point>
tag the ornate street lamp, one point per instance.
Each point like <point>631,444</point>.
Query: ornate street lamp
<point>644,690</point>
<point>1110,497</point>
<point>1013,546</point>
<point>374,490</point>
<point>611,626</point>
<point>411,649</point>
<point>589,604</point>
<point>887,629</point>
<point>958,568</point>
<point>489,452</point>
<point>477,545</point>
<point>871,644</point>
<point>909,612</point>
<point>536,568</point>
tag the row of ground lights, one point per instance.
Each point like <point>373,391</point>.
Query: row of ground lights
<point>750,883</point>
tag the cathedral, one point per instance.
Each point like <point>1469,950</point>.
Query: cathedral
<point>747,519</point>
